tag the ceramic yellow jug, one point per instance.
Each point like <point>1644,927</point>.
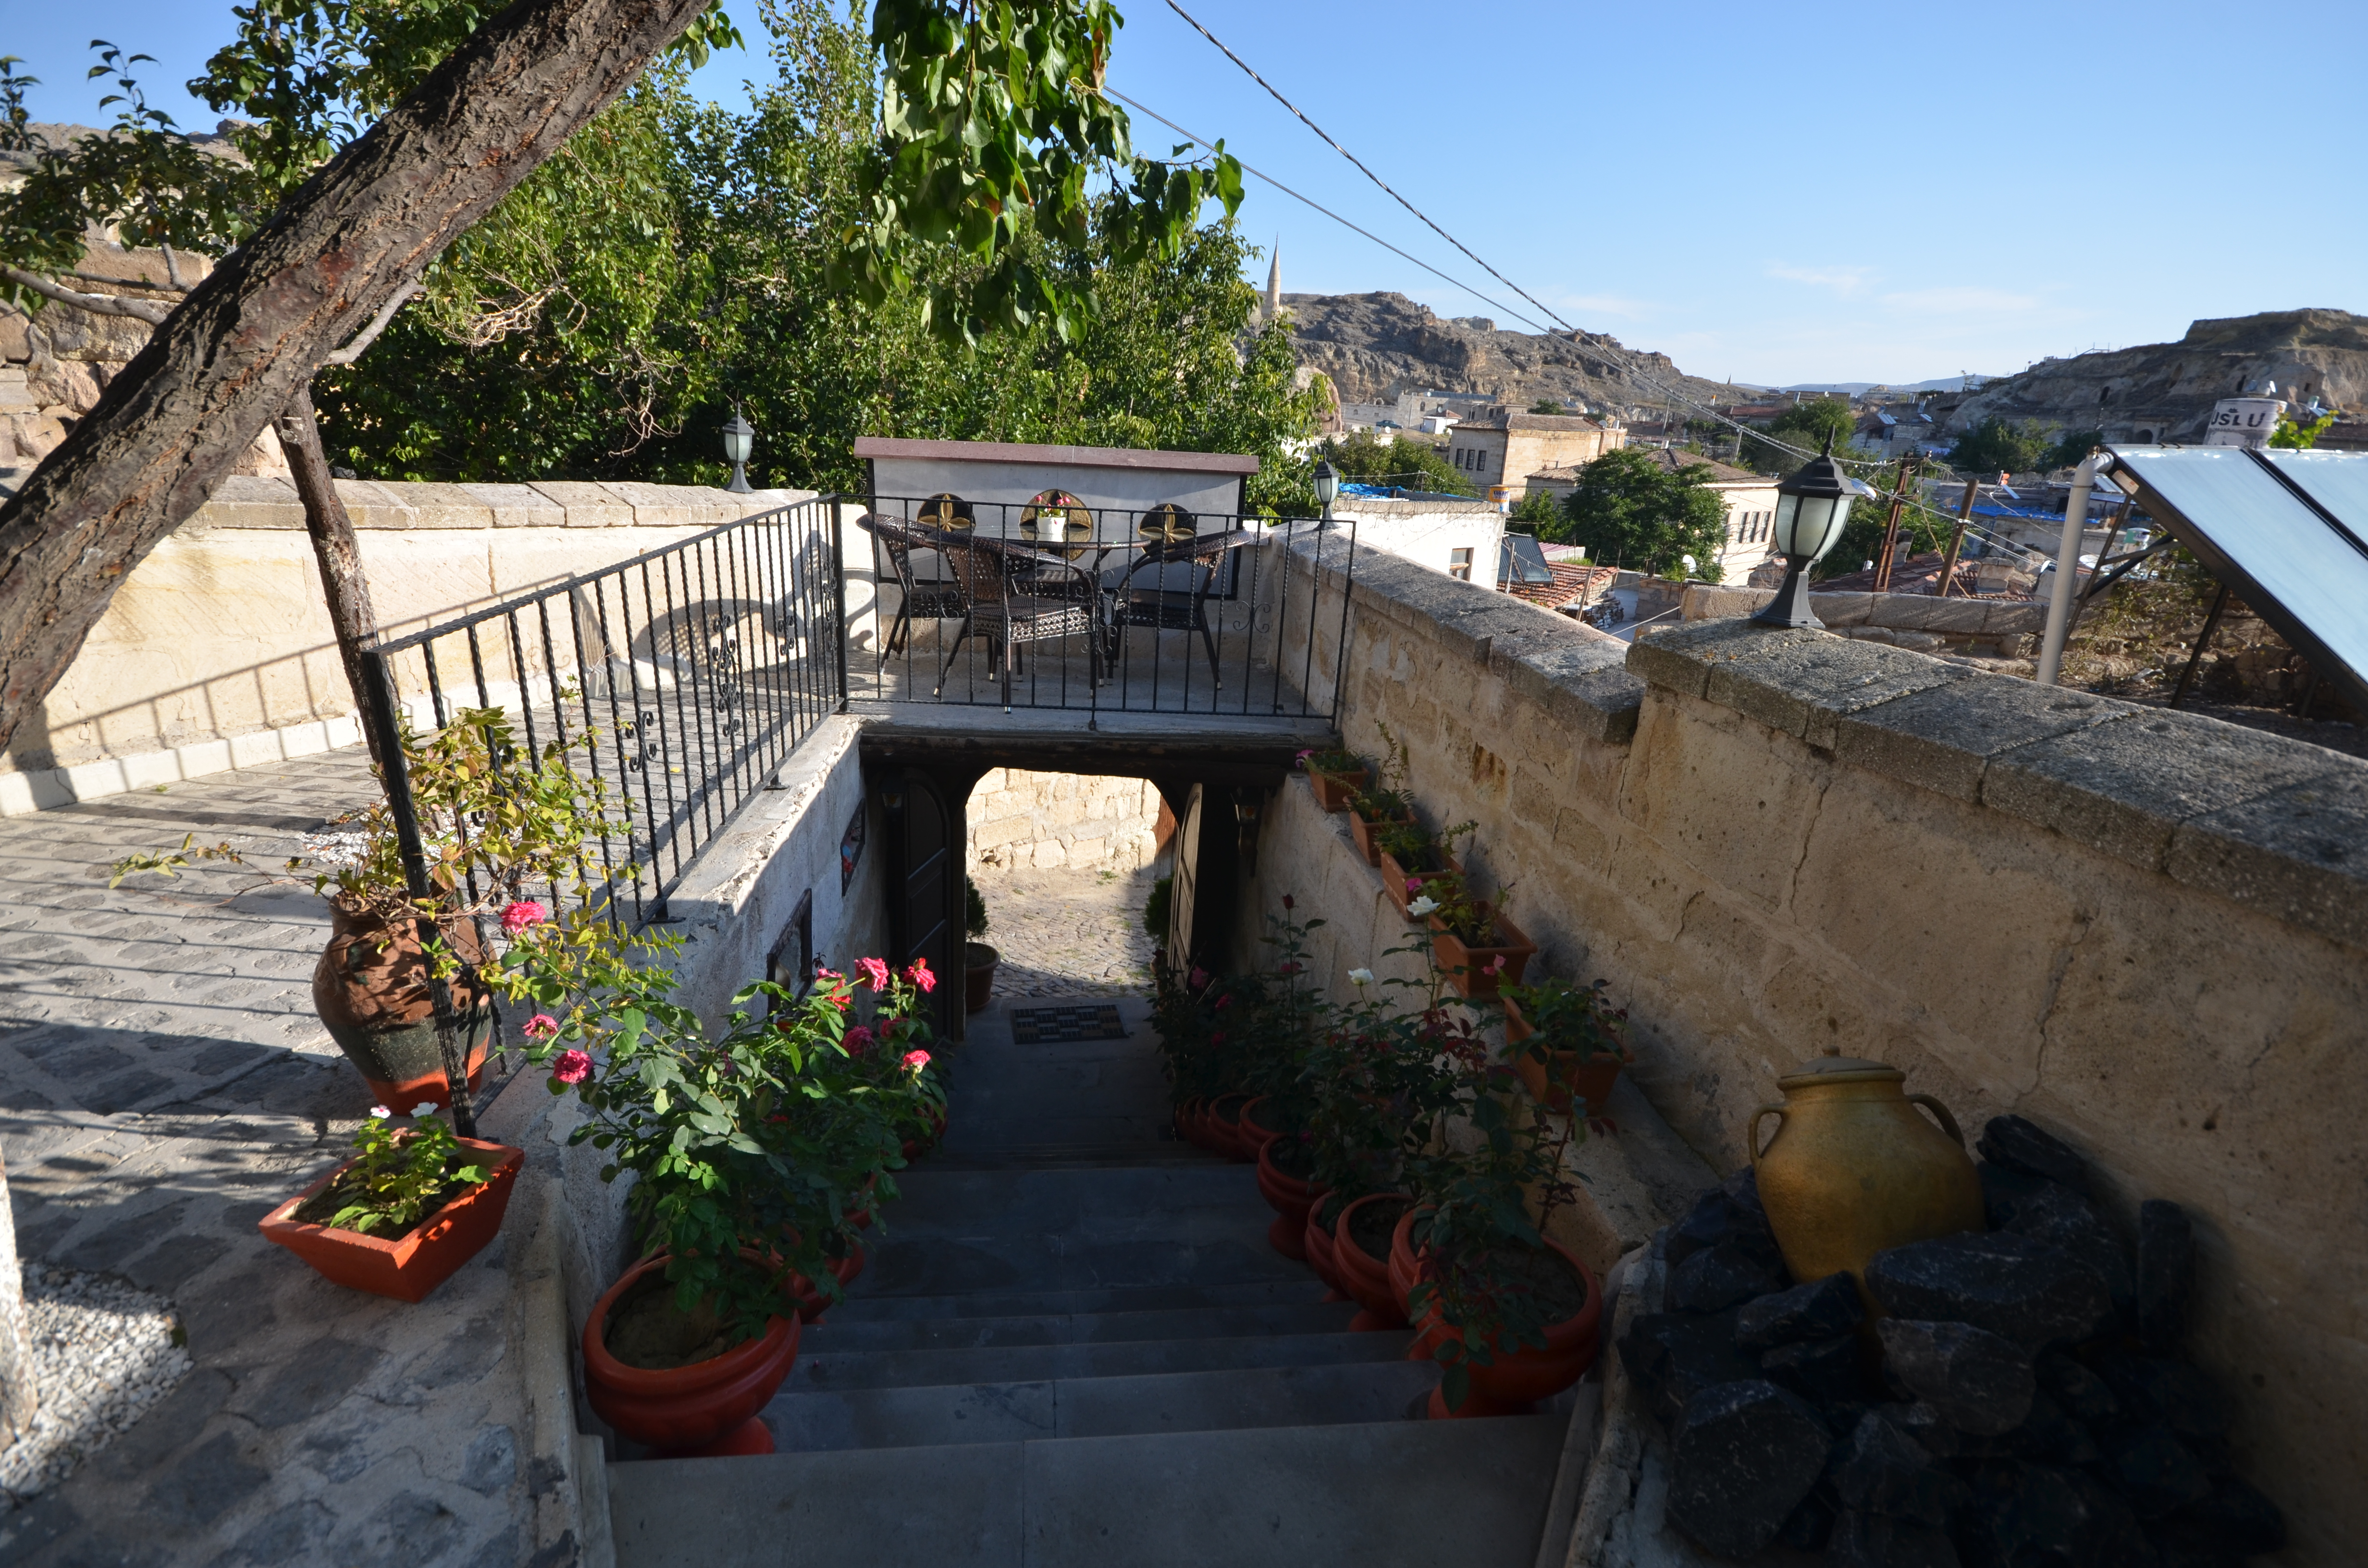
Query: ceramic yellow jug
<point>1853,1169</point>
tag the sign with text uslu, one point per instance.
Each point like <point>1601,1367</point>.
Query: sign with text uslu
<point>2243,421</point>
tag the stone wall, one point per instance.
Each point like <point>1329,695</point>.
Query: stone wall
<point>1021,820</point>
<point>216,653</point>
<point>2147,932</point>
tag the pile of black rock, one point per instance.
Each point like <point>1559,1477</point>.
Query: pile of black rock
<point>2030,1406</point>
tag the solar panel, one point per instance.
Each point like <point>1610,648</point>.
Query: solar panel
<point>2284,531</point>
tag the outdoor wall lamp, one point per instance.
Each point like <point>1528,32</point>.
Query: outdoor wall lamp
<point>1327,485</point>
<point>1811,507</point>
<point>739,440</point>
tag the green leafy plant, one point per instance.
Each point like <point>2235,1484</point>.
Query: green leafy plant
<point>1448,899</point>
<point>1333,759</point>
<point>396,1178</point>
<point>1155,908</point>
<point>2301,435</point>
<point>974,921</point>
<point>1418,849</point>
<point>1566,1017</point>
<point>1384,797</point>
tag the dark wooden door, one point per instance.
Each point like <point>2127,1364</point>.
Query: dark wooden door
<point>1183,884</point>
<point>926,890</point>
<point>1201,899</point>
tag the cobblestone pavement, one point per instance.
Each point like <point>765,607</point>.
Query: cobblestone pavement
<point>1069,932</point>
<point>162,1084</point>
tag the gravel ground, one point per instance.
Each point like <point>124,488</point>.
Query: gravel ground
<point>1071,932</point>
<point>104,1352</point>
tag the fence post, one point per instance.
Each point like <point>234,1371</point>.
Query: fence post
<point>839,591</point>
<point>452,1042</point>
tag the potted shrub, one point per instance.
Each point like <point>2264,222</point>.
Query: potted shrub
<point>1411,855</point>
<point>409,1208</point>
<point>1282,1025</point>
<point>499,824</point>
<point>1382,804</point>
<point>1335,775</point>
<point>760,1153</point>
<point>1204,1046</point>
<point>978,959</point>
<point>1476,947</point>
<point>1567,1043</point>
<point>1511,1315</point>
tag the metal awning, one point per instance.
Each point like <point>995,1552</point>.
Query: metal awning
<point>2287,531</point>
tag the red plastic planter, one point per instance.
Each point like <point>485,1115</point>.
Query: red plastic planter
<point>708,1407</point>
<point>1367,1280</point>
<point>1565,1074</point>
<point>1318,1244</point>
<point>1467,968</point>
<point>1365,831</point>
<point>1511,1383</point>
<point>408,1266</point>
<point>811,1302</point>
<point>1291,1199</point>
<point>1227,1135</point>
<point>1334,789</point>
<point>1394,878</point>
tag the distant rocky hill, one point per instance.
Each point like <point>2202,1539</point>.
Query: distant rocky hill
<point>2164,391</point>
<point>1375,345</point>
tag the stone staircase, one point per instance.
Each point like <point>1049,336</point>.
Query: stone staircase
<point>1074,1348</point>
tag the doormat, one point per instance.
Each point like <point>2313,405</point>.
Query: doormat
<point>1066,1026</point>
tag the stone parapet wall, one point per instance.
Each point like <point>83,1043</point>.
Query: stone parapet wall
<point>217,652</point>
<point>2146,932</point>
<point>1023,821</point>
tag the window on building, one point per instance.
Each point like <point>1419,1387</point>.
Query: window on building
<point>1459,564</point>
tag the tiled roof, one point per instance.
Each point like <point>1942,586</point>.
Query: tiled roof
<point>1571,579</point>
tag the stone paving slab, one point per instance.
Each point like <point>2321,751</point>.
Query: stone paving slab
<point>1070,932</point>
<point>164,1084</point>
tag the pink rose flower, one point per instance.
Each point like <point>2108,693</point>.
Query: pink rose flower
<point>1197,979</point>
<point>571,1067</point>
<point>1413,884</point>
<point>1496,965</point>
<point>919,975</point>
<point>543,1026</point>
<point>872,973</point>
<point>1225,1001</point>
<point>858,1040</point>
<point>521,915</point>
<point>917,1060</point>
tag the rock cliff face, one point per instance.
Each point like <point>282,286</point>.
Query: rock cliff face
<point>2164,391</point>
<point>1375,345</point>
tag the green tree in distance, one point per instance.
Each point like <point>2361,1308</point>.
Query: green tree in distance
<point>2001,446</point>
<point>1806,424</point>
<point>1628,509</point>
<point>1404,464</point>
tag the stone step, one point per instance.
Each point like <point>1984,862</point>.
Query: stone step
<point>837,1333</point>
<point>1038,1363</point>
<point>1405,1494</point>
<point>865,1305</point>
<point>1056,1156</point>
<point>1101,1406</point>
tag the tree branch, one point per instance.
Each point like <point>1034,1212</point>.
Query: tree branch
<point>152,311</point>
<point>369,335</point>
<point>127,282</point>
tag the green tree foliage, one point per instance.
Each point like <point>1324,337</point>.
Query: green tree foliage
<point>2072,447</point>
<point>1806,424</point>
<point>2301,435</point>
<point>1545,405</point>
<point>2000,446</point>
<point>1539,509</point>
<point>1403,463</point>
<point>1630,510</point>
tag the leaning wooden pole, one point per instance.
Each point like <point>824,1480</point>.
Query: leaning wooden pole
<point>335,550</point>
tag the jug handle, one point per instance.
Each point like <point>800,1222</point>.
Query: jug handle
<point>1948,1122</point>
<point>1753,1140</point>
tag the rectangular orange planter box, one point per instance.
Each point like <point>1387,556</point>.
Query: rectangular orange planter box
<point>1467,968</point>
<point>1364,832</point>
<point>1394,878</point>
<point>1333,789</point>
<point>410,1266</point>
<point>1565,1075</point>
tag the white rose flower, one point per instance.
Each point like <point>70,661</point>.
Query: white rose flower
<point>1424,906</point>
<point>1361,976</point>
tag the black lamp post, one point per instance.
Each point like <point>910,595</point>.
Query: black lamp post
<point>1327,485</point>
<point>1811,507</point>
<point>739,440</point>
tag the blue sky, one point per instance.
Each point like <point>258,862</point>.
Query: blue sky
<point>1907,192</point>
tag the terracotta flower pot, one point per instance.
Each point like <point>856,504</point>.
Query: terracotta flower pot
<point>408,1266</point>
<point>913,1148</point>
<point>1334,789</point>
<point>978,975</point>
<point>1250,1129</point>
<point>1467,968</point>
<point>1395,877</point>
<point>1290,1198</point>
<point>1188,1120</point>
<point>708,1407</point>
<point>1225,1135</point>
<point>1364,832</point>
<point>1511,1382</point>
<point>1317,1240</point>
<point>370,990</point>
<point>811,1300</point>
<point>1366,1278</point>
<point>1565,1075</point>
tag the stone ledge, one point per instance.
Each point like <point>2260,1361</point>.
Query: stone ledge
<point>248,501</point>
<point>2277,824</point>
<point>1896,612</point>
<point>1571,669</point>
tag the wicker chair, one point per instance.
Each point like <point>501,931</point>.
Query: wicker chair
<point>1166,586</point>
<point>936,599</point>
<point>1006,616</point>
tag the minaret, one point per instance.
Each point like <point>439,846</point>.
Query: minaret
<point>1274,282</point>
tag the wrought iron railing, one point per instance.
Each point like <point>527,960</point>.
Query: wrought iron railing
<point>682,677</point>
<point>1100,609</point>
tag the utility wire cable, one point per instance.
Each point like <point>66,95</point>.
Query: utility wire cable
<point>1203,141</point>
<point>1369,174</point>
